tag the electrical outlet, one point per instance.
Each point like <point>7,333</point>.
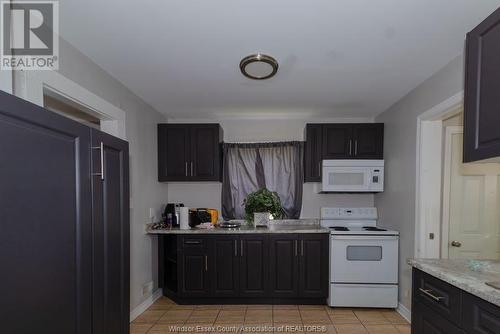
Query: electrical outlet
<point>147,289</point>
<point>151,213</point>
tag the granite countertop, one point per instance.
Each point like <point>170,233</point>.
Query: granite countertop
<point>459,273</point>
<point>276,226</point>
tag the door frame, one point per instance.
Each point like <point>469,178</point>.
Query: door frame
<point>450,131</point>
<point>428,179</point>
<point>33,85</point>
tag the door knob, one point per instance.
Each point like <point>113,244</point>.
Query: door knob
<point>455,243</point>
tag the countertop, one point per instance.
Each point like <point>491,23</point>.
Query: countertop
<point>458,273</point>
<point>276,226</point>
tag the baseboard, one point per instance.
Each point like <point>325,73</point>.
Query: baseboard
<point>145,304</point>
<point>404,312</point>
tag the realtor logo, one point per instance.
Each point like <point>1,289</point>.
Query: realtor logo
<point>30,35</point>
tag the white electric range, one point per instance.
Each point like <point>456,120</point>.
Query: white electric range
<point>363,259</point>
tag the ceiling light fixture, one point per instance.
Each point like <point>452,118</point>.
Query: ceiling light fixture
<point>259,66</point>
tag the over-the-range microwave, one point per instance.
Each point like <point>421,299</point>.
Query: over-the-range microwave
<point>352,176</point>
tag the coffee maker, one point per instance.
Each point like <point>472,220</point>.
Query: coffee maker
<point>174,210</point>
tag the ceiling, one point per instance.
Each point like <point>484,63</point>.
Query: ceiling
<point>338,58</point>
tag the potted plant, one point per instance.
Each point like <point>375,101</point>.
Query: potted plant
<point>261,204</point>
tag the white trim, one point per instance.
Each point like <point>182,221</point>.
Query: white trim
<point>404,312</point>
<point>6,74</point>
<point>450,131</point>
<point>145,304</point>
<point>440,111</point>
<point>33,84</point>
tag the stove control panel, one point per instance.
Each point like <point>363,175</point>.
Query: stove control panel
<point>349,213</point>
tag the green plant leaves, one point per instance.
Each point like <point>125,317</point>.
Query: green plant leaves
<point>263,200</point>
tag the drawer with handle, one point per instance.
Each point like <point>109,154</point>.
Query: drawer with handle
<point>437,295</point>
<point>193,243</point>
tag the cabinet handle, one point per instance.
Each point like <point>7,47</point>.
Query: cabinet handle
<point>241,248</point>
<point>296,247</point>
<point>356,147</point>
<point>319,168</point>
<point>101,148</point>
<point>350,146</point>
<point>192,168</point>
<point>186,168</point>
<point>192,242</point>
<point>429,294</point>
<point>301,247</point>
<point>235,247</point>
<point>206,263</point>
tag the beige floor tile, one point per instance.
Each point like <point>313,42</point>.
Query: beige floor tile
<point>350,329</point>
<point>371,317</point>
<point>140,328</point>
<point>259,307</point>
<point>315,317</point>
<point>201,320</point>
<point>175,316</point>
<point>160,307</point>
<point>162,328</point>
<point>403,329</point>
<point>258,328</point>
<point>234,307</point>
<point>285,307</point>
<point>149,316</point>
<point>286,313</point>
<point>204,313</point>
<point>311,307</point>
<point>381,329</point>
<point>230,319</point>
<point>328,329</point>
<point>284,320</point>
<point>394,317</point>
<point>183,307</point>
<point>207,307</point>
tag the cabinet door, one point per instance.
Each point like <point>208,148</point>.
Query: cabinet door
<point>46,223</point>
<point>110,197</point>
<point>194,267</point>
<point>313,265</point>
<point>337,141</point>
<point>313,153</point>
<point>426,321</point>
<point>173,152</point>
<point>205,152</point>
<point>254,265</point>
<point>224,268</point>
<point>284,266</point>
<point>479,316</point>
<point>368,141</point>
<point>482,101</point>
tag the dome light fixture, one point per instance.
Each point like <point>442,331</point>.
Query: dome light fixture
<point>259,66</point>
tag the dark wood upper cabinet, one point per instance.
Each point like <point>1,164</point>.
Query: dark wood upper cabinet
<point>368,141</point>
<point>337,141</point>
<point>189,152</point>
<point>482,100</point>
<point>313,153</point>
<point>340,141</point>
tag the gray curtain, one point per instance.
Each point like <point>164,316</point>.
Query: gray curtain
<point>250,167</point>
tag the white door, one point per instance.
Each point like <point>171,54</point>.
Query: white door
<point>471,204</point>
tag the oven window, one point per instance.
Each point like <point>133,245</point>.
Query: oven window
<point>364,253</point>
<point>346,179</point>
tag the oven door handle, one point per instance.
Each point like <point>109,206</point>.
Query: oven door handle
<point>364,237</point>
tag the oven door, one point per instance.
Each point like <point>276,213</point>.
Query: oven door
<point>369,259</point>
<point>346,179</point>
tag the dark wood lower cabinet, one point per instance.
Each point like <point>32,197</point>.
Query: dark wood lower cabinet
<point>258,267</point>
<point>284,268</point>
<point>440,308</point>
<point>254,265</point>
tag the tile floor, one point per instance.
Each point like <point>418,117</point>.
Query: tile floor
<point>167,317</point>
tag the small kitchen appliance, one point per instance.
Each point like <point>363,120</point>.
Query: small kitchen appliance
<point>352,176</point>
<point>174,210</point>
<point>363,259</point>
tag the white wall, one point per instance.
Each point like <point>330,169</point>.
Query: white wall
<point>145,191</point>
<point>397,203</point>
<point>259,130</point>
